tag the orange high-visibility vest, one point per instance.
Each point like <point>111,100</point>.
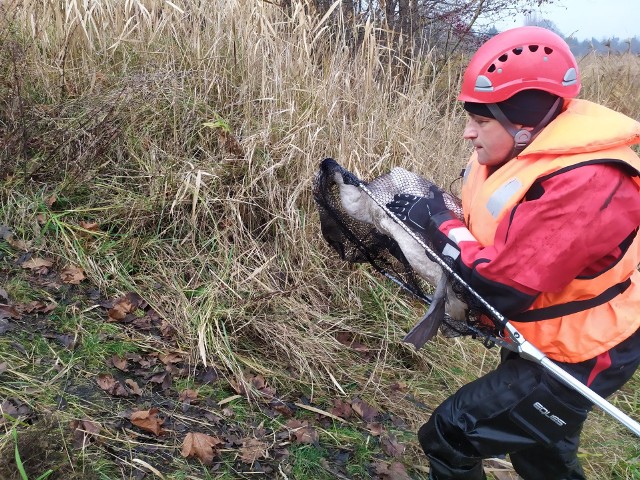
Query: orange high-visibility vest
<point>589,316</point>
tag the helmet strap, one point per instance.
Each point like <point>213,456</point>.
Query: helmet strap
<point>522,137</point>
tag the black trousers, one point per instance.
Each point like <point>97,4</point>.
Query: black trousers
<point>481,419</point>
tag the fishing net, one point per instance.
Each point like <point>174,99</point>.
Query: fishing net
<point>353,222</point>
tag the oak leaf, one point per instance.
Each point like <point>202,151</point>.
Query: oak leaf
<point>200,445</point>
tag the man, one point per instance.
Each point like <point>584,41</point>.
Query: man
<point>551,200</point>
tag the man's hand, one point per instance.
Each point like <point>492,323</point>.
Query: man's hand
<point>416,211</point>
<point>425,215</point>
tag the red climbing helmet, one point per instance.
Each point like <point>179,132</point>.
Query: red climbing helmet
<point>520,59</point>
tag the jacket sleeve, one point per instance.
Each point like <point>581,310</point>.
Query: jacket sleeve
<point>575,223</point>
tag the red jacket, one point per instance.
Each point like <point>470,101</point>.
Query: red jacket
<point>557,249</point>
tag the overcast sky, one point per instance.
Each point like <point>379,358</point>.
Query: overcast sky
<point>590,18</point>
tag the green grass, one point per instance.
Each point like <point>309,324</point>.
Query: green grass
<point>306,463</point>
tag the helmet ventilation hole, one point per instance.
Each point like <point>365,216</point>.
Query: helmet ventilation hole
<point>548,50</point>
<point>492,68</point>
<point>533,48</point>
<point>503,57</point>
<point>517,51</point>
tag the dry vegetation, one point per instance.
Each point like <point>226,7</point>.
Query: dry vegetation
<point>190,131</point>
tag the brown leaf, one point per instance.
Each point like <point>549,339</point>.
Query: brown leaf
<point>13,408</point>
<point>362,408</point>
<point>36,306</point>
<point>253,449</point>
<point>148,420</point>
<point>375,429</point>
<point>120,363</point>
<point>91,226</point>
<point>391,446</point>
<point>37,265</point>
<point>73,275</point>
<point>171,357</point>
<point>302,431</point>
<point>3,367</point>
<point>51,200</point>
<point>18,244</point>
<point>201,446</point>
<point>341,409</point>
<point>83,432</point>
<point>348,340</point>
<point>112,386</point>
<point>395,471</point>
<point>134,387</point>
<point>8,311</point>
<point>163,379</point>
<point>129,303</point>
<point>399,387</point>
<point>188,395</point>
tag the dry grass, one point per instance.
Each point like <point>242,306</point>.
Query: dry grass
<point>191,132</point>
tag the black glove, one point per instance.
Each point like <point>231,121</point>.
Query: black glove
<point>418,212</point>
<point>425,214</point>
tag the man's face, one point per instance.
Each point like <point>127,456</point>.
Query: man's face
<point>491,140</point>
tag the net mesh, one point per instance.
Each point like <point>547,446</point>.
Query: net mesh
<point>358,241</point>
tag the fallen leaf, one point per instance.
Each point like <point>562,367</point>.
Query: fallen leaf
<point>19,244</point>
<point>302,431</point>
<point>112,386</point>
<point>348,340</point>
<point>11,409</point>
<point>375,429</point>
<point>37,265</point>
<point>171,357</point>
<point>83,432</point>
<point>394,471</point>
<point>72,275</point>
<point>120,363</point>
<point>253,449</point>
<point>362,408</point>
<point>51,200</point>
<point>124,305</point>
<point>398,387</point>
<point>134,387</point>
<point>91,226</point>
<point>200,445</point>
<point>148,420</point>
<point>163,379</point>
<point>9,311</point>
<point>36,306</point>
<point>3,367</point>
<point>188,395</point>
<point>392,446</point>
<point>341,409</point>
